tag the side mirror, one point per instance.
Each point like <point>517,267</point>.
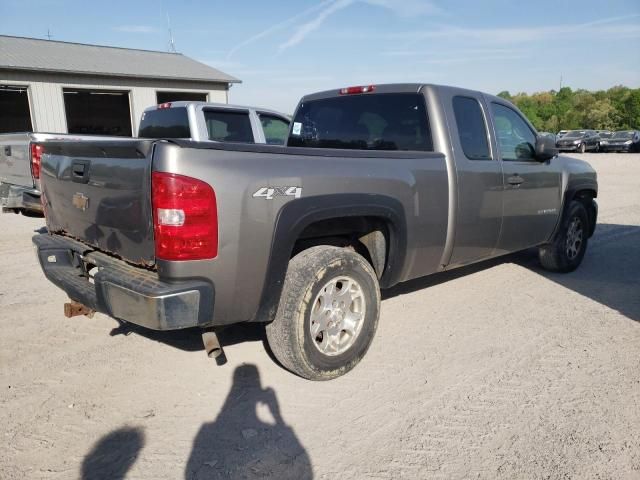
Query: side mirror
<point>545,148</point>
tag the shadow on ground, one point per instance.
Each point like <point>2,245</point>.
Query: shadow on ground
<point>113,455</point>
<point>237,443</point>
<point>609,274</point>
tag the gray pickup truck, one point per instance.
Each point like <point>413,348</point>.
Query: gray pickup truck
<point>378,185</point>
<point>198,121</point>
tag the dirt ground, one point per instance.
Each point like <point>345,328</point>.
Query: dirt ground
<point>500,370</point>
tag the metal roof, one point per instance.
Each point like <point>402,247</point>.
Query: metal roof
<point>34,54</point>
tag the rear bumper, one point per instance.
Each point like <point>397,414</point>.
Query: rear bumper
<point>123,291</point>
<point>17,198</point>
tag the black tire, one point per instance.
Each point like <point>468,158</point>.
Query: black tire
<point>582,148</point>
<point>597,149</point>
<point>566,252</point>
<point>290,336</point>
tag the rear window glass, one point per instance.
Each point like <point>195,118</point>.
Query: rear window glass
<point>228,126</point>
<point>471,128</point>
<point>165,123</point>
<point>390,121</point>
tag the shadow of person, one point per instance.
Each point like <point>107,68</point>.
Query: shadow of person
<point>113,455</point>
<point>239,444</point>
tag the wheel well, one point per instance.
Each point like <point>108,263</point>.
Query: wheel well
<point>586,198</point>
<point>368,236</point>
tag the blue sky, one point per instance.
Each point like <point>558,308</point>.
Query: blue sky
<point>284,49</point>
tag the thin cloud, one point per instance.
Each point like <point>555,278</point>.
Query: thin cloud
<point>278,26</point>
<point>136,29</point>
<point>403,8</point>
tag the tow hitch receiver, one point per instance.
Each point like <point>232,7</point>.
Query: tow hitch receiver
<point>212,346</point>
<point>74,309</point>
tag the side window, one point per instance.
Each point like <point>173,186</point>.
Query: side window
<point>276,129</point>
<point>228,126</point>
<point>515,139</point>
<point>472,128</point>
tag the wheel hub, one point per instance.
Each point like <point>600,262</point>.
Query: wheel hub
<point>574,238</point>
<point>337,315</point>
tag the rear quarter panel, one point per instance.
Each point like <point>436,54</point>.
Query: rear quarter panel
<point>247,223</point>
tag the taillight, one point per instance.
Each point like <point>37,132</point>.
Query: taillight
<point>165,105</point>
<point>36,160</point>
<point>358,89</point>
<point>185,217</point>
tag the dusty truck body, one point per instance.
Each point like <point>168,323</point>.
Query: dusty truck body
<point>378,185</point>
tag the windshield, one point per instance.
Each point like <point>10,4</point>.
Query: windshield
<point>575,134</point>
<point>390,121</point>
<point>623,134</point>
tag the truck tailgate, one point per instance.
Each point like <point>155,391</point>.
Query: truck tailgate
<point>99,192</point>
<point>15,159</point>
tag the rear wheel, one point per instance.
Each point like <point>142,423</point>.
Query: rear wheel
<point>328,313</point>
<point>597,149</point>
<point>567,250</point>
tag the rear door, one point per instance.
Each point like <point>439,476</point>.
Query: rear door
<point>532,189</point>
<point>100,193</point>
<point>479,174</point>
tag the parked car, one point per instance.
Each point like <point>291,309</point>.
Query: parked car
<point>579,141</point>
<point>623,141</point>
<point>217,122</point>
<point>378,185</point>
<point>199,121</point>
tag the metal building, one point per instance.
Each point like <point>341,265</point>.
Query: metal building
<point>62,87</point>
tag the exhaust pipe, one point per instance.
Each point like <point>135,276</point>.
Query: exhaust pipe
<point>212,346</point>
<point>74,309</point>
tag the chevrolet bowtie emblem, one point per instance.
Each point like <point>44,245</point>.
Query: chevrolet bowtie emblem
<point>81,201</point>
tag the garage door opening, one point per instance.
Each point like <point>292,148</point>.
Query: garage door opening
<point>97,112</point>
<point>15,115</point>
<point>164,97</point>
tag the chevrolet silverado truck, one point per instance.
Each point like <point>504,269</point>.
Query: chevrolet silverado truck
<point>377,185</point>
<point>198,121</point>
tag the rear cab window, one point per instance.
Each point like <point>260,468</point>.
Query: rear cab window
<point>385,121</point>
<point>165,123</point>
<point>472,128</point>
<point>228,125</point>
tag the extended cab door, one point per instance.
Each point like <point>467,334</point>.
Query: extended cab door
<point>532,189</point>
<point>479,178</point>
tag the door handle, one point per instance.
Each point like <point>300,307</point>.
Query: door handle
<point>515,180</point>
<point>80,171</point>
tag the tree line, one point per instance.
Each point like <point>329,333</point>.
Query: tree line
<point>615,109</point>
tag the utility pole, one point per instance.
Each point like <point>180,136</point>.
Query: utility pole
<point>49,36</point>
<point>560,82</point>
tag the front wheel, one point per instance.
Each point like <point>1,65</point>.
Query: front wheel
<point>582,148</point>
<point>328,313</point>
<point>565,252</point>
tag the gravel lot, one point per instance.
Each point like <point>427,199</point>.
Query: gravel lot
<point>500,370</point>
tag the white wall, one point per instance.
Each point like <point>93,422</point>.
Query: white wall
<point>47,103</point>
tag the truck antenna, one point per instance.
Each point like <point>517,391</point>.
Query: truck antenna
<point>172,44</point>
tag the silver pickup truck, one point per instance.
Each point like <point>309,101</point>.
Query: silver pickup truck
<point>198,121</point>
<point>378,185</point>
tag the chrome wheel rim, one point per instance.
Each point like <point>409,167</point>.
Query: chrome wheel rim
<point>574,238</point>
<point>337,316</point>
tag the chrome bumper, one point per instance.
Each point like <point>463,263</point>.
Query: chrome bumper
<point>17,198</point>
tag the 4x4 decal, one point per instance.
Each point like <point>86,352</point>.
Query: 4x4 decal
<point>268,193</point>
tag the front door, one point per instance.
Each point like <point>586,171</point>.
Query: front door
<point>532,189</point>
